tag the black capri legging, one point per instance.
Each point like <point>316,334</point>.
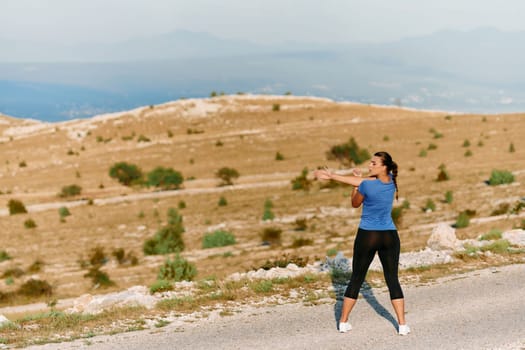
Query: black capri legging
<point>366,244</point>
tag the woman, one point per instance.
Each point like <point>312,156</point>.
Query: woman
<point>376,233</point>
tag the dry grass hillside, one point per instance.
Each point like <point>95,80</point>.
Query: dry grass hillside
<point>197,137</point>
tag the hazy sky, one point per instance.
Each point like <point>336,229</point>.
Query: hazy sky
<point>263,21</point>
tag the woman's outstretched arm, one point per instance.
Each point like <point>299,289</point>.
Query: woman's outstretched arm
<point>325,174</point>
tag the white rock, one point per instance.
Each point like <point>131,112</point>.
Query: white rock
<point>516,237</point>
<point>4,320</point>
<point>443,237</point>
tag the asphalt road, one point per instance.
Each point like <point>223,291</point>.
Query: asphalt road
<point>478,310</point>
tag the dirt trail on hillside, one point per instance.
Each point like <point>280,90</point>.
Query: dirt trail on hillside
<point>477,310</point>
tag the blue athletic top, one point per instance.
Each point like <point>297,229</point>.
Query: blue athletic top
<point>377,204</point>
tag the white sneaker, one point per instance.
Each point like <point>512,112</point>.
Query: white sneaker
<point>404,329</point>
<point>344,327</point>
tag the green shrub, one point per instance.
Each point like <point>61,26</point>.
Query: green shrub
<point>331,252</point>
<point>29,223</point>
<point>423,153</point>
<point>449,197</point>
<point>501,246</point>
<point>182,204</point>
<point>279,156</point>
<point>123,258</point>
<point>168,239</point>
<point>16,207</point>
<point>13,272</point>
<point>500,177</point>
<point>161,286</point>
<point>178,269</point>
<point>36,266</point>
<point>429,205</point>
<point>125,173</point>
<point>22,164</point>
<point>267,213</point>
<point>262,286</point>
<point>491,235</point>
<point>271,235</point>
<point>35,288</point>
<point>4,256</point>
<point>222,202</point>
<point>276,107</point>
<point>463,220</point>
<point>432,146</point>
<point>165,178</point>
<point>302,182</point>
<point>226,175</point>
<point>466,143</point>
<point>511,148</point>
<point>348,153</point>
<point>63,212</point>
<point>218,238</point>
<point>468,153</point>
<point>98,277</point>
<point>70,191</point>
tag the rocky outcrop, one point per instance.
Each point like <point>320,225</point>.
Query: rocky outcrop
<point>443,237</point>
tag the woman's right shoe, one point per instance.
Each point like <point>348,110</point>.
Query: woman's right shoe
<point>344,327</point>
<point>404,329</point>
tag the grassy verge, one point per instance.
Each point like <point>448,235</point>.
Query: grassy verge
<point>225,297</point>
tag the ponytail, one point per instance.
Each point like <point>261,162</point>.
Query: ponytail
<point>391,167</point>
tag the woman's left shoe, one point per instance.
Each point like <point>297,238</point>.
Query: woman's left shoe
<point>404,329</point>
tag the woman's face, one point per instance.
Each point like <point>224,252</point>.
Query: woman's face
<point>376,167</point>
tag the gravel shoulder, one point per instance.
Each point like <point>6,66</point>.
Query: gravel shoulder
<point>482,309</point>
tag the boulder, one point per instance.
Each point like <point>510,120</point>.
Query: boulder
<point>443,237</point>
<point>516,237</point>
<point>4,320</point>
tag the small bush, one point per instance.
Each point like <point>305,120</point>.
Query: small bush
<point>165,178</point>
<point>35,288</point>
<point>348,153</point>
<point>449,197</point>
<point>123,258</point>
<point>226,175</point>
<point>429,206</point>
<point>276,107</point>
<point>125,173</point>
<point>22,164</point>
<point>178,269</point>
<point>279,156</point>
<point>36,266</point>
<point>182,204</point>
<point>301,224</point>
<point>63,212</point>
<point>301,182</point>
<point>500,177</point>
<point>443,174</point>
<point>218,238</point>
<point>466,143</point>
<point>161,286</point>
<point>300,242</point>
<point>13,272</point>
<point>423,153</point>
<point>143,138</point>
<point>169,238</point>
<point>503,208</point>
<point>284,261</point>
<point>511,148</point>
<point>432,146</point>
<point>267,213</point>
<point>16,207</point>
<point>70,191</point>
<point>493,234</point>
<point>468,153</point>
<point>463,220</point>
<point>98,277</point>
<point>97,256</point>
<point>222,202</point>
<point>271,235</point>
<point>4,256</point>
<point>29,223</point>
<point>262,286</point>
<point>500,246</point>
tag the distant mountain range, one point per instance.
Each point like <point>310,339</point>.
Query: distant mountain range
<point>474,71</point>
